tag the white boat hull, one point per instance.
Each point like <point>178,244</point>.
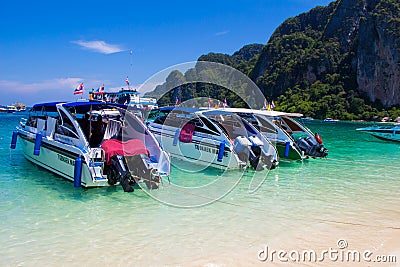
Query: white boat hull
<point>91,144</point>
<point>60,159</point>
<point>387,136</point>
<point>201,151</point>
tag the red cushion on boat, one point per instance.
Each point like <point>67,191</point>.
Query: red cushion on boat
<point>186,133</point>
<point>129,148</point>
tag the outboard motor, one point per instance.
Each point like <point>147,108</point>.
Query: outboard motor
<point>139,169</point>
<point>312,147</point>
<point>118,172</point>
<point>242,146</point>
<point>258,157</point>
<point>131,168</point>
<point>249,149</point>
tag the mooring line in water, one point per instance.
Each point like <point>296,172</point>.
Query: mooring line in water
<point>268,211</point>
<point>362,163</point>
<point>360,224</point>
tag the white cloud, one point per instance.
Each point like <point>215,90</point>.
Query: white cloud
<point>99,46</point>
<point>221,33</point>
<point>19,87</point>
<point>44,91</point>
<point>60,89</point>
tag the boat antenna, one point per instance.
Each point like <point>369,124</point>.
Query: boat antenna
<point>127,83</point>
<point>130,53</point>
<point>131,66</point>
<point>90,123</point>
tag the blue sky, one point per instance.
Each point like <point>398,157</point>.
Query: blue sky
<point>48,47</point>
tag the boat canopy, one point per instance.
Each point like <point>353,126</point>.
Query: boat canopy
<point>179,109</point>
<point>92,103</point>
<point>270,113</point>
<point>123,92</point>
<point>214,112</point>
<point>45,105</point>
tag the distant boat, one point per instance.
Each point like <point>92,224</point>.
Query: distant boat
<point>130,98</point>
<point>20,107</point>
<point>307,119</point>
<point>11,109</point>
<point>8,109</point>
<point>330,120</point>
<point>3,109</point>
<point>388,133</point>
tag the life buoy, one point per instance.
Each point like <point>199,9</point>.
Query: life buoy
<point>318,138</point>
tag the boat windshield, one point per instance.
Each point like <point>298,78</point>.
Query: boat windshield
<point>180,118</point>
<point>42,111</point>
<point>230,123</point>
<point>157,113</point>
<point>266,126</point>
<point>292,125</point>
<point>94,118</point>
<point>250,118</point>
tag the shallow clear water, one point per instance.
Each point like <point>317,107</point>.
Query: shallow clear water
<point>352,195</point>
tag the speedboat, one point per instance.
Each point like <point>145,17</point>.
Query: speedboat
<point>307,119</point>
<point>92,144</point>
<point>8,109</point>
<point>211,138</point>
<point>3,108</point>
<point>11,109</point>
<point>309,143</point>
<point>283,141</point>
<point>389,133</point>
<point>293,140</point>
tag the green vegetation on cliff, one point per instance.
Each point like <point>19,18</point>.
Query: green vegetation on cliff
<point>340,61</point>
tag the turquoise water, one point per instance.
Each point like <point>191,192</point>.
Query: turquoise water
<point>352,195</point>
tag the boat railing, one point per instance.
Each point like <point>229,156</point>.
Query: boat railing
<point>22,122</point>
<point>113,129</point>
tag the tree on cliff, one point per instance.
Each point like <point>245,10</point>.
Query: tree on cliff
<point>342,60</point>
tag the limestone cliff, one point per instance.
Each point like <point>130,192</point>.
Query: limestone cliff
<point>340,60</point>
<point>357,39</point>
<point>378,52</point>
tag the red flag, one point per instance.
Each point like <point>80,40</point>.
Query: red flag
<point>79,90</point>
<point>100,89</point>
<point>127,81</point>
